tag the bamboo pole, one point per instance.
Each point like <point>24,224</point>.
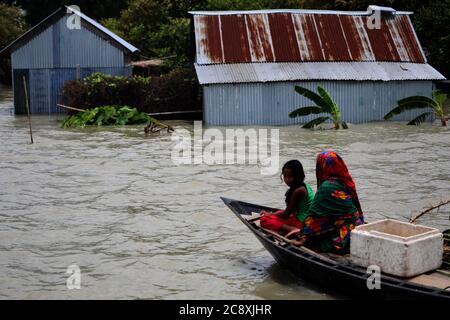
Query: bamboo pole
<point>443,203</point>
<point>27,106</point>
<point>173,112</point>
<point>277,235</point>
<point>70,108</point>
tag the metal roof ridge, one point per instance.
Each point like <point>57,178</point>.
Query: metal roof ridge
<point>299,11</point>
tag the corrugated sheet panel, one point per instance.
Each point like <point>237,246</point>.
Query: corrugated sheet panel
<point>60,47</point>
<point>104,30</point>
<point>40,90</point>
<point>37,53</point>
<point>292,36</point>
<point>44,86</point>
<point>270,103</point>
<point>83,47</point>
<point>274,72</point>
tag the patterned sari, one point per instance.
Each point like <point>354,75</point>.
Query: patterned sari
<point>335,210</point>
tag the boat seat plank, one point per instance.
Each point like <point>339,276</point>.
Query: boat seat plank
<point>343,259</point>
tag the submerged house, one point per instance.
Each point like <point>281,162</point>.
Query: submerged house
<point>66,45</point>
<point>248,63</point>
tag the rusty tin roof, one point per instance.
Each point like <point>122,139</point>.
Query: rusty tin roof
<point>303,36</point>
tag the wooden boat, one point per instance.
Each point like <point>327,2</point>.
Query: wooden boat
<point>338,273</point>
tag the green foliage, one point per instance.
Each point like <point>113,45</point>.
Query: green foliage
<point>12,25</point>
<point>174,39</point>
<point>421,102</point>
<point>149,25</point>
<point>106,115</point>
<point>36,11</point>
<point>311,95</point>
<point>254,4</point>
<point>315,122</point>
<point>175,91</point>
<point>306,111</point>
<point>324,104</point>
<point>418,120</point>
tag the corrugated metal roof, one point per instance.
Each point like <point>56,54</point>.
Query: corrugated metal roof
<point>301,35</point>
<point>53,18</point>
<point>290,71</point>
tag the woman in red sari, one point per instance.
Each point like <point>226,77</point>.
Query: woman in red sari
<point>335,210</point>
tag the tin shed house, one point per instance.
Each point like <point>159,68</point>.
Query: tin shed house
<point>64,46</point>
<point>248,63</point>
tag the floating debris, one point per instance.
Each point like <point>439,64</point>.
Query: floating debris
<point>155,126</point>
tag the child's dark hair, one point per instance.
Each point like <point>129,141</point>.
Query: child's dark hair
<point>299,177</point>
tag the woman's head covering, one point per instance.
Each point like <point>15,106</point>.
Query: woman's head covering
<point>330,165</point>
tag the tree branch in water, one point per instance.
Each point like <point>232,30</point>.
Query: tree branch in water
<point>443,203</point>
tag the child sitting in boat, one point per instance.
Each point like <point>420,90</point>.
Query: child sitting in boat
<point>298,198</point>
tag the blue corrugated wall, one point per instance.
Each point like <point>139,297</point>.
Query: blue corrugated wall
<point>44,86</point>
<point>270,103</point>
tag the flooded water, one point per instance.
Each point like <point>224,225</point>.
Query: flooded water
<point>111,201</point>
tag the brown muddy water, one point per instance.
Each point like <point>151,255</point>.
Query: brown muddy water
<point>111,201</point>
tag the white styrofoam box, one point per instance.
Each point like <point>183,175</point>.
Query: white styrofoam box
<point>398,248</point>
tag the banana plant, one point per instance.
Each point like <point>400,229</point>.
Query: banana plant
<point>422,102</point>
<point>324,105</point>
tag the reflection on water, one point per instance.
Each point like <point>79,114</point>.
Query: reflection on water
<point>110,201</point>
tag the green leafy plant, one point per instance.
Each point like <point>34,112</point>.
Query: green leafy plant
<point>106,115</point>
<point>421,102</point>
<point>175,91</point>
<point>324,105</point>
<point>12,25</point>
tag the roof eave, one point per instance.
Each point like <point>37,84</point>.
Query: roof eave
<point>315,71</point>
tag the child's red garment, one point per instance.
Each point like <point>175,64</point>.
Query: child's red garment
<point>275,222</point>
